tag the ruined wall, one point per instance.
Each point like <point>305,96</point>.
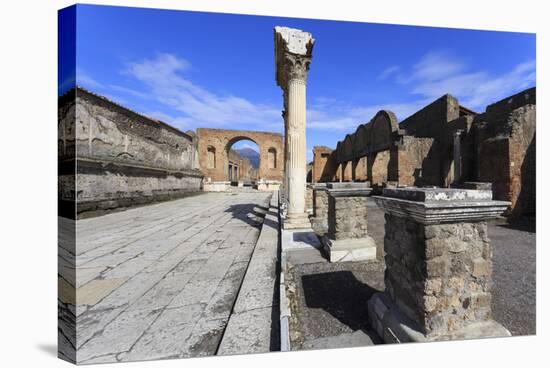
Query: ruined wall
<point>431,122</point>
<point>346,171</point>
<point>324,164</point>
<point>415,161</point>
<point>245,170</point>
<point>66,176</point>
<point>467,149</point>
<point>497,146</point>
<point>378,167</point>
<point>122,158</point>
<point>361,169</point>
<point>505,138</point>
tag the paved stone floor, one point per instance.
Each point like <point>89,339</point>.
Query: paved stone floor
<point>330,299</point>
<point>160,281</point>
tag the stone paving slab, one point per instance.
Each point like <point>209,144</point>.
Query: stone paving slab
<point>160,281</point>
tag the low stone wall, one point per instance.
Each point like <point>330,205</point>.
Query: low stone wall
<point>103,188</point>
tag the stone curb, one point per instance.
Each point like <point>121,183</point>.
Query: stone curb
<point>284,305</point>
<point>250,325</point>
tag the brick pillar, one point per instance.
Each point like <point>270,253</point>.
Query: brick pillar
<point>438,265</point>
<point>347,238</point>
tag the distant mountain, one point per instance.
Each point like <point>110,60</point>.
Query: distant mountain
<point>250,154</point>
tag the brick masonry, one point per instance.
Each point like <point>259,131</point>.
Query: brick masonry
<point>496,146</point>
<point>219,142</point>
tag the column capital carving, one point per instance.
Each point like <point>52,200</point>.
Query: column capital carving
<point>293,50</point>
<point>295,67</point>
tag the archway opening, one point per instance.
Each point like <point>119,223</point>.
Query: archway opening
<point>243,161</point>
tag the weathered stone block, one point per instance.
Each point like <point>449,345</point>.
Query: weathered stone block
<point>347,238</point>
<point>480,267</point>
<point>438,260</point>
<point>435,267</point>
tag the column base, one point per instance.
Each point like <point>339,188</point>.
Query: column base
<point>350,250</point>
<point>296,221</point>
<point>394,327</point>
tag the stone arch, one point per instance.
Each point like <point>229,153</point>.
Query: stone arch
<point>235,170</point>
<point>382,151</point>
<point>382,130</point>
<point>348,147</point>
<point>223,139</point>
<point>360,142</point>
<point>339,153</point>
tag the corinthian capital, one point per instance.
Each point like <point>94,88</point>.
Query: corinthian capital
<point>296,67</point>
<point>293,50</point>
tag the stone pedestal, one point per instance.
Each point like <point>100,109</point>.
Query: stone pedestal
<point>216,186</point>
<point>438,265</point>
<point>347,238</point>
<point>473,185</point>
<point>268,185</point>
<point>293,50</point>
<point>319,218</point>
<point>309,198</point>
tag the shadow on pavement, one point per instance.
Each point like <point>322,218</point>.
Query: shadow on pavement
<point>340,294</point>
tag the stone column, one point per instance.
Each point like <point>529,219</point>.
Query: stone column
<point>347,238</point>
<point>457,156</point>
<point>293,55</point>
<point>438,265</point>
<point>285,158</point>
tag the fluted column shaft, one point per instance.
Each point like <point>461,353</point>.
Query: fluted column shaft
<point>293,49</point>
<point>296,146</point>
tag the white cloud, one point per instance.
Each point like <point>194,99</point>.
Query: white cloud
<point>181,123</point>
<point>166,80</point>
<point>83,79</point>
<point>128,91</point>
<point>389,71</point>
<point>435,66</point>
<point>164,76</point>
<point>345,118</point>
<point>438,73</point>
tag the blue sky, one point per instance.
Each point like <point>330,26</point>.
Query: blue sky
<point>194,69</point>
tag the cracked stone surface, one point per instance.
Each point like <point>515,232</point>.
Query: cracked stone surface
<point>160,281</point>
